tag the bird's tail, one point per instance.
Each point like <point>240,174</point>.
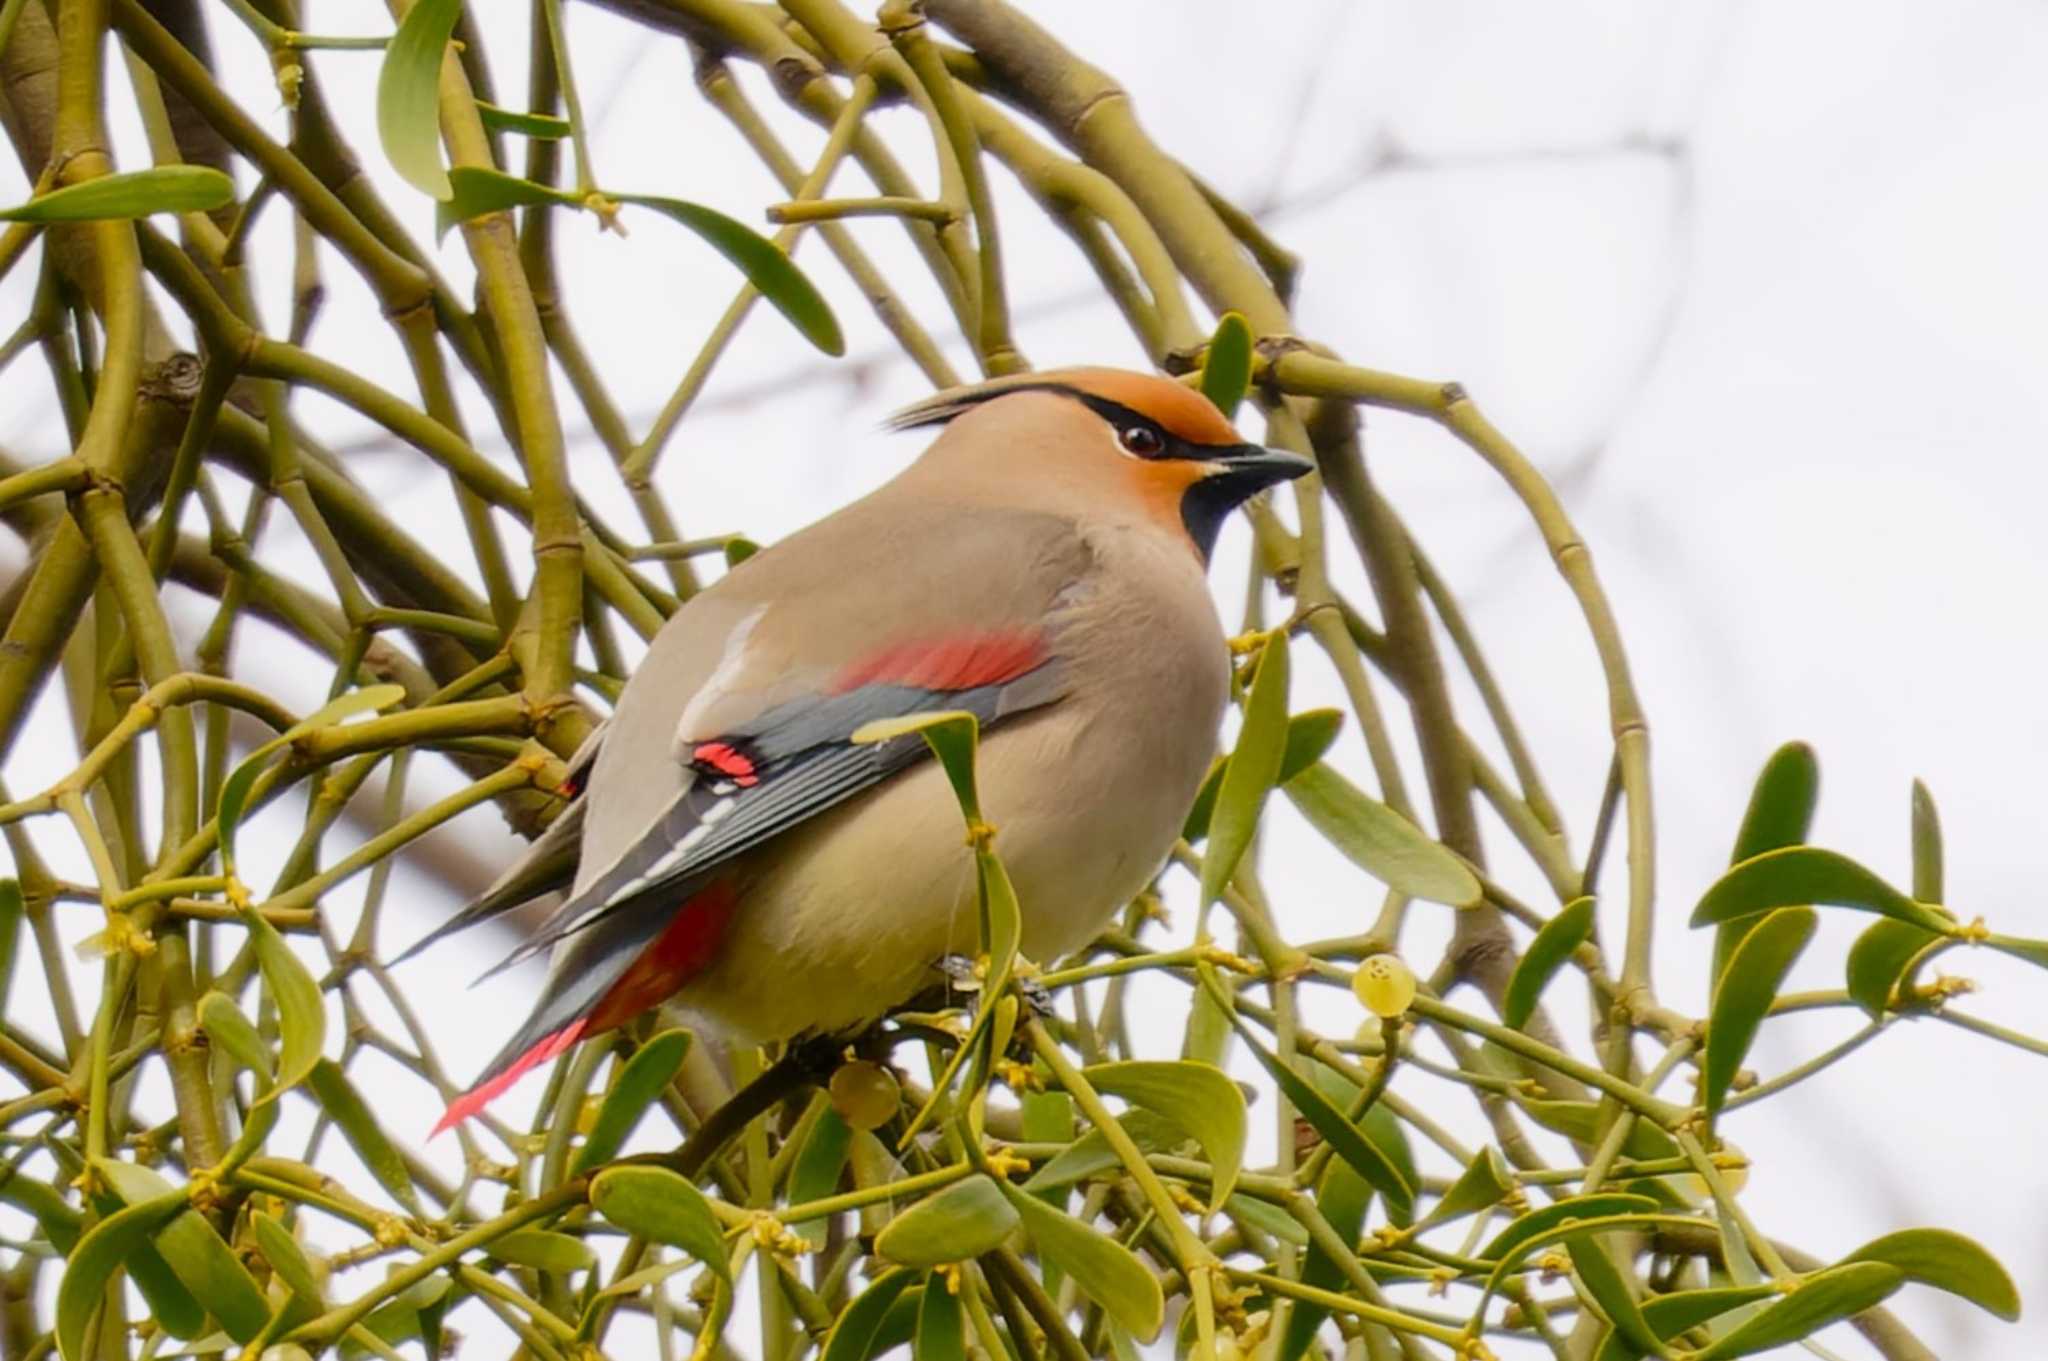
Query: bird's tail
<point>625,964</point>
<point>546,866</point>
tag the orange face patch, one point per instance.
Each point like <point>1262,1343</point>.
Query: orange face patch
<point>1180,411</point>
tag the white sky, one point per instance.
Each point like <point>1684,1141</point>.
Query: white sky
<point>1759,286</point>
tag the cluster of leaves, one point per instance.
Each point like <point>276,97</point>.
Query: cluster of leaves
<point>1045,1187</point>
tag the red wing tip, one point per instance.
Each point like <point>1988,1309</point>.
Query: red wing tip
<point>489,1090</point>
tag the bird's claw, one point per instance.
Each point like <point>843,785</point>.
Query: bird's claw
<point>817,1056</point>
<point>963,971</point>
<point>1036,996</point>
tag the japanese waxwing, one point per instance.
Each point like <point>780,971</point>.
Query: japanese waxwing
<point>1042,566</point>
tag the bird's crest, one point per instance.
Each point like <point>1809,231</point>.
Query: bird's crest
<point>1181,411</point>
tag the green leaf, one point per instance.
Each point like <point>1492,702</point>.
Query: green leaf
<point>413,1313</point>
<point>1822,1298</point>
<point>1105,1269</point>
<point>1207,1039</point>
<point>1048,1116</point>
<point>765,264</point>
<point>1670,1315</point>
<point>1227,367</point>
<point>60,1223</point>
<point>815,1174</point>
<point>1196,825</point>
<point>1927,867</point>
<point>1380,841</point>
<point>1310,734</point>
<point>1342,1203</point>
<point>301,1012</point>
<point>537,125</point>
<point>639,1085</point>
<point>1569,1228</point>
<point>1580,1122</point>
<point>1780,813</point>
<point>160,1288</point>
<point>106,1248</point>
<point>1603,1281</point>
<point>1345,1138</point>
<point>203,1263</point>
<point>1795,875</point>
<point>1755,972</point>
<point>234,792</point>
<point>1879,959</point>
<point>131,194</point>
<point>236,1035</point>
<point>1382,1129</point>
<point>1525,1228</point>
<point>352,1116</point>
<point>1548,950</point>
<point>1881,956</point>
<point>1091,1153</point>
<point>952,734</point>
<point>1202,1100</point>
<point>1253,767</point>
<point>657,1203</point>
<point>168,1301</point>
<point>941,1333</point>
<point>858,1332</point>
<point>543,1250</point>
<point>1002,923</point>
<point>1483,1184</point>
<point>409,95</point>
<point>430,1316</point>
<point>738,549</point>
<point>963,1220</point>
<point>288,1260</point>
<point>1947,1261</point>
<point>475,192</point>
<point>1271,1219</point>
<point>899,1325</point>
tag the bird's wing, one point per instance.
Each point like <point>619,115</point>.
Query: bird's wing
<point>546,866</point>
<point>760,777</point>
<point>739,726</point>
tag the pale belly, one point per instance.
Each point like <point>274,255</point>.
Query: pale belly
<point>857,906</point>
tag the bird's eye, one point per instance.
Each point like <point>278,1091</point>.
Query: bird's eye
<point>1141,440</point>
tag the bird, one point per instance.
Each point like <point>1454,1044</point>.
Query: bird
<point>1041,565</point>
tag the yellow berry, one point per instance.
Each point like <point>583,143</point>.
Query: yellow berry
<point>865,1094</point>
<point>1385,985</point>
<point>1734,1165</point>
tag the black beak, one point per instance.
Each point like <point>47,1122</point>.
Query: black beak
<point>1254,468</point>
<point>1239,472</point>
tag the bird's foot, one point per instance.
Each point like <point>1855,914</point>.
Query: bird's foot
<point>1036,996</point>
<point>963,972</point>
<point>958,975</point>
<point>816,1056</point>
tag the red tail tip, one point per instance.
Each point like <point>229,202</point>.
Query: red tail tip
<point>489,1090</point>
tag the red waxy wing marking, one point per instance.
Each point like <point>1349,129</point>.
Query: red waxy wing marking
<point>727,760</point>
<point>946,664</point>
